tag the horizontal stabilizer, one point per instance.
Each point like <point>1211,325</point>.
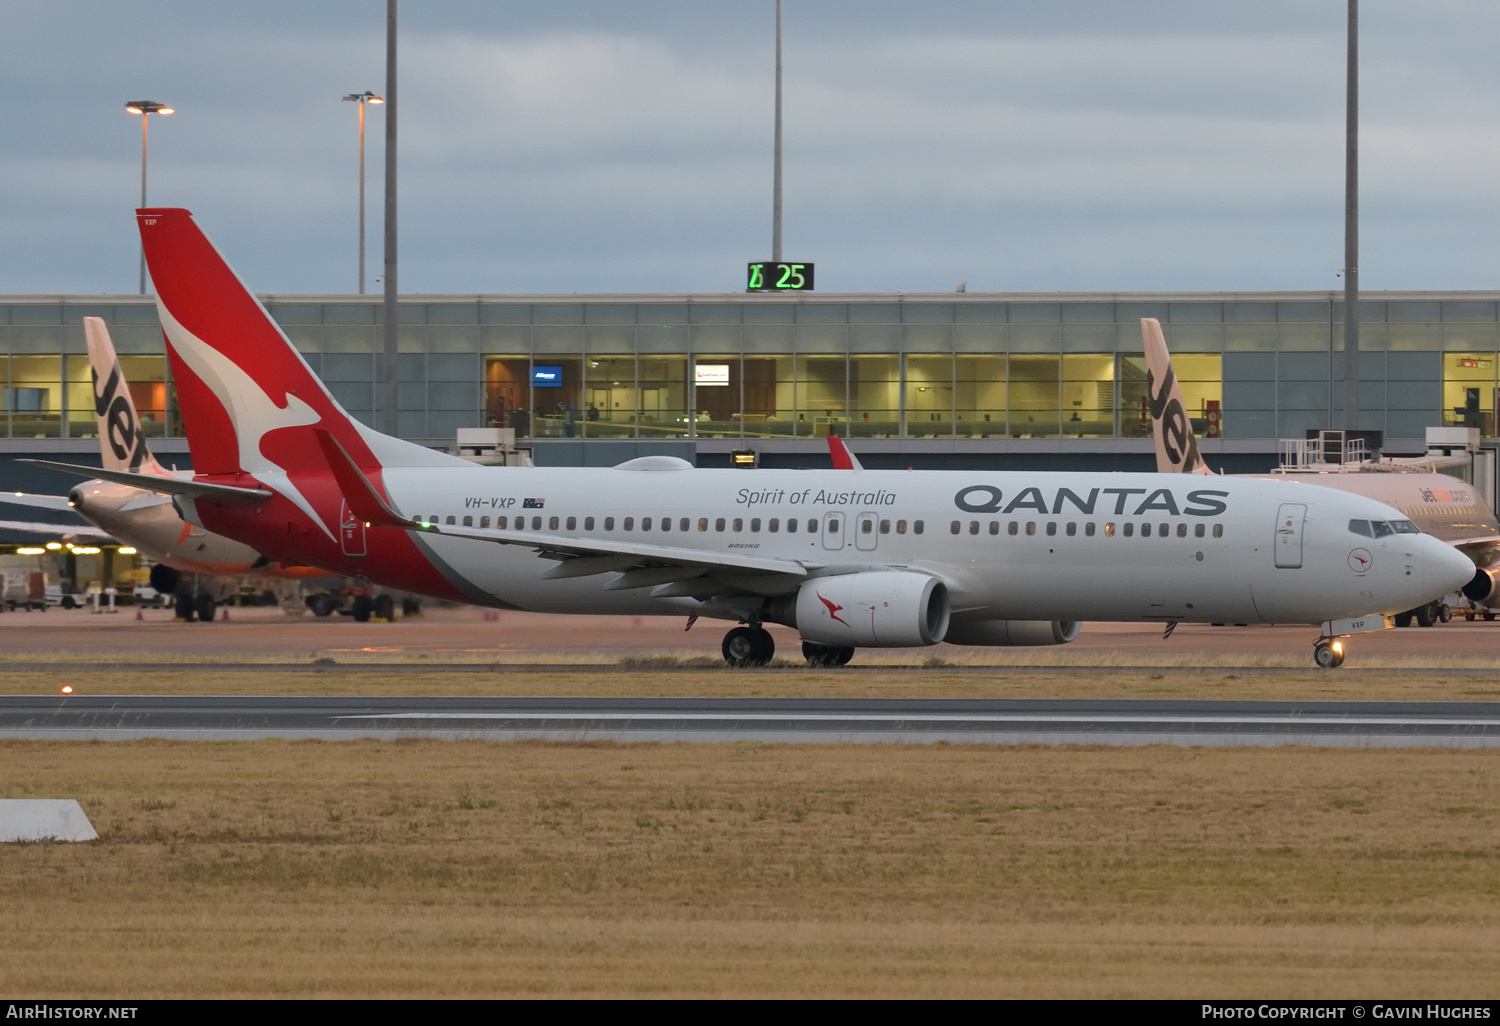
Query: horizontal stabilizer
<point>165,485</point>
<point>37,501</point>
<point>364,501</point>
<point>60,530</point>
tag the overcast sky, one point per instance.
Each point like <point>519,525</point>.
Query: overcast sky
<point>604,146</point>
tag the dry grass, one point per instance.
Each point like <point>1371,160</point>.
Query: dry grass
<point>717,681</point>
<point>465,869</point>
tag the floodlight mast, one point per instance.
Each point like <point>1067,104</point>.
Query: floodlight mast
<point>776,176</point>
<point>362,99</point>
<point>1351,226</point>
<point>145,108</point>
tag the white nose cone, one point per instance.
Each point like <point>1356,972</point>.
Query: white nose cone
<point>1445,568</point>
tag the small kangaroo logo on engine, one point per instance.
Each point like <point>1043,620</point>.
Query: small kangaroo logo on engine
<point>833,609</point>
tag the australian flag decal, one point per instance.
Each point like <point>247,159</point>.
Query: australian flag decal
<point>533,503</point>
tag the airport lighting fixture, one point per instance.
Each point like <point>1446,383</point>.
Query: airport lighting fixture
<point>145,108</point>
<point>362,99</point>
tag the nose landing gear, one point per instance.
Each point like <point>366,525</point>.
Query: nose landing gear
<point>748,646</point>
<point>1328,653</point>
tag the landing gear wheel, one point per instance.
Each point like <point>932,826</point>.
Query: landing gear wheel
<point>1469,615</point>
<point>363,607</point>
<point>1404,619</point>
<point>411,607</point>
<point>1488,615</point>
<point>1427,615</point>
<point>203,605</point>
<point>183,608</point>
<point>321,605</point>
<point>748,646</point>
<point>1326,655</point>
<point>1444,612</point>
<point>826,655</point>
<point>385,608</point>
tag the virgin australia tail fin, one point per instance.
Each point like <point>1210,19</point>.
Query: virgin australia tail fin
<point>1176,448</point>
<point>249,401</point>
<point>122,443</point>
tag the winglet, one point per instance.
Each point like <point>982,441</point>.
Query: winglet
<point>843,459</point>
<point>365,502</point>
<point>1172,431</point>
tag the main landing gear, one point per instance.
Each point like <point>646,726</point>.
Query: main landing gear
<point>826,656</point>
<point>748,646</point>
<point>1328,653</point>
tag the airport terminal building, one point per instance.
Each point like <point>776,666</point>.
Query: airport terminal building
<point>933,380</point>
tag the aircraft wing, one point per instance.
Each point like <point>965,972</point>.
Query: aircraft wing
<point>165,485</point>
<point>61,502</point>
<point>58,529</point>
<point>1484,551</point>
<point>580,557</point>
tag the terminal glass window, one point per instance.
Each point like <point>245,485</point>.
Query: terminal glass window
<point>663,397</point>
<point>821,396</point>
<point>929,396</point>
<point>556,396</point>
<point>717,383</point>
<point>507,393</point>
<point>874,396</point>
<point>34,396</point>
<point>1034,396</point>
<point>980,396</point>
<point>144,381</point>
<point>1469,391</point>
<point>761,413</point>
<point>1088,395</point>
<point>609,396</point>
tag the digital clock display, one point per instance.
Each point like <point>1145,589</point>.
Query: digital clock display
<point>770,276</point>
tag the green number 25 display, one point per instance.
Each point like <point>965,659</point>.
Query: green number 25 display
<point>767,276</point>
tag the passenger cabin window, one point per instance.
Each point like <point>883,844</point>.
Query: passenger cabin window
<point>739,524</point>
<point>994,527</point>
<point>955,527</point>
<point>684,524</point>
<point>1072,528</point>
<point>1051,528</point>
<point>572,523</point>
<point>536,523</point>
<point>1182,530</point>
<point>451,521</point>
<point>1218,530</point>
<point>901,527</point>
<point>645,524</point>
<point>551,523</point>
<point>1361,527</point>
<point>774,525</point>
<point>791,526</point>
<point>1031,527</point>
<point>1129,530</point>
<point>1013,528</point>
<point>812,527</point>
<point>973,527</point>
<point>1145,531</point>
<point>468,521</point>
<point>588,523</point>
<point>885,527</point>
<point>1197,530</point>
<point>916,527</point>
<point>755,525</point>
<point>484,521</point>
<point>609,523</point>
<point>1109,530</point>
<point>719,524</point>
<point>666,523</point>
<point>629,523</point>
<point>703,523</point>
<point>1088,528</point>
<point>501,522</point>
<point>865,526</point>
<point>833,526</point>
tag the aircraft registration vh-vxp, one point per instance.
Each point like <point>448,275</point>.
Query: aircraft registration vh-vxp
<point>849,557</point>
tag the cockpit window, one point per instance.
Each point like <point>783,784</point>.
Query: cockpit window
<point>1405,527</point>
<point>1361,527</point>
<point>1382,529</point>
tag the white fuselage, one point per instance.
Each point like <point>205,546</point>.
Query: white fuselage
<point>1012,545</point>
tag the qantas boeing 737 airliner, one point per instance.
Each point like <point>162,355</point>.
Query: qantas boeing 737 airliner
<point>849,557</point>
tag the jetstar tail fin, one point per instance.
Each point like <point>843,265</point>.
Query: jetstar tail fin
<point>122,442</point>
<point>1172,430</point>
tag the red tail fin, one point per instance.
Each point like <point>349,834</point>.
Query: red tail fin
<point>249,400</point>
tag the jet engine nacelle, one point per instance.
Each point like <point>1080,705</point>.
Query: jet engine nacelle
<point>999,633</point>
<point>878,608</point>
<point>1484,589</point>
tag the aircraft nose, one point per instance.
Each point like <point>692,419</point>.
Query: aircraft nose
<point>1447,569</point>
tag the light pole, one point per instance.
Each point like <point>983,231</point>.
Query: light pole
<point>362,99</point>
<point>145,108</point>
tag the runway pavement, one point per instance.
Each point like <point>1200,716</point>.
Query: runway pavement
<point>911,721</point>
